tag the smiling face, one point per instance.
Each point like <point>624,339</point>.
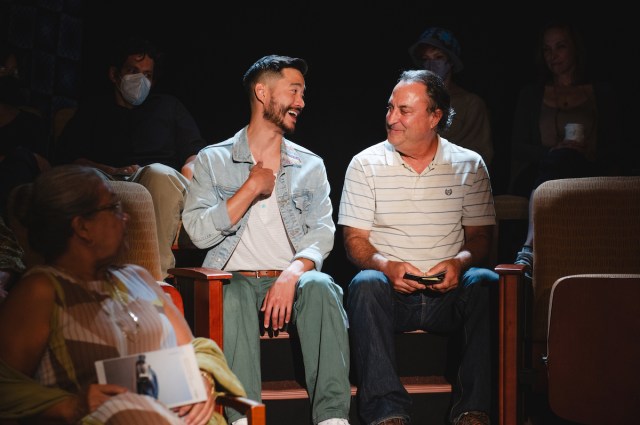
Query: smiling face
<point>559,51</point>
<point>410,121</point>
<point>284,99</point>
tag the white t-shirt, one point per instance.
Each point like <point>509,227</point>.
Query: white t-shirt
<point>264,244</point>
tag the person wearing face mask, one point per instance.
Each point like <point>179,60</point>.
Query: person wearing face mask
<point>137,135</point>
<point>135,88</point>
<point>438,50</point>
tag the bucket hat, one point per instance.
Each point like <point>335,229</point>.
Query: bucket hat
<point>444,40</point>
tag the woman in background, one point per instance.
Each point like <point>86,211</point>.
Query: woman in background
<point>564,126</point>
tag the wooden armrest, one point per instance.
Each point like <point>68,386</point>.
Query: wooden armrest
<point>510,340</point>
<point>201,291</point>
<point>207,273</point>
<point>505,269</point>
<point>253,410</point>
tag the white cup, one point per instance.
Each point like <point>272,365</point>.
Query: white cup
<point>575,132</point>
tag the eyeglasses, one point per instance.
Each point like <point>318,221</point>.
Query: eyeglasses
<point>115,207</point>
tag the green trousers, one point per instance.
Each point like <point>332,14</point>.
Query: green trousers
<point>322,326</point>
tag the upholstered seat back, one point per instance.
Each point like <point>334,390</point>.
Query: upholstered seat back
<point>141,237</point>
<point>584,225</point>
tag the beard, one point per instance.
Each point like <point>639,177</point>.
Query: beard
<point>276,114</point>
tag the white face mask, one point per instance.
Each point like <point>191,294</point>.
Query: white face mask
<point>439,66</point>
<point>135,88</point>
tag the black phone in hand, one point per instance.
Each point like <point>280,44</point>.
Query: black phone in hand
<point>426,280</point>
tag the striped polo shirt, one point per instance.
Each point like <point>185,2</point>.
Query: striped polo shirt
<point>417,218</point>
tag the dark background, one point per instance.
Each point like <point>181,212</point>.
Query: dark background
<point>355,53</point>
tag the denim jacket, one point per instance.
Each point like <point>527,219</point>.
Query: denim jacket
<point>302,191</point>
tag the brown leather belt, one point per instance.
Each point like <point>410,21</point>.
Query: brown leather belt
<point>260,273</point>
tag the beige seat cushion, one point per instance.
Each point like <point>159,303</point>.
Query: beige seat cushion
<point>141,236</point>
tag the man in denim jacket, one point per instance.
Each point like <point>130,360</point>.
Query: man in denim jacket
<point>261,204</point>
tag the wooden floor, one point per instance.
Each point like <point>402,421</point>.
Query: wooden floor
<point>291,389</point>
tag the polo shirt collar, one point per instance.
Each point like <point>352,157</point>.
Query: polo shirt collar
<point>392,157</point>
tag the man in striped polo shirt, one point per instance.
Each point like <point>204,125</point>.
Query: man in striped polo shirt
<point>417,204</point>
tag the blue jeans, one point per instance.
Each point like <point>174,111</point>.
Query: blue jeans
<point>377,312</point>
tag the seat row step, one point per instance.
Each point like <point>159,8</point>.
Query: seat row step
<point>291,389</point>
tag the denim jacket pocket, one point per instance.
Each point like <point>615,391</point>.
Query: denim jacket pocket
<point>302,200</point>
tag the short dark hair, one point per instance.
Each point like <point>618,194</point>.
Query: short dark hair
<point>436,92</point>
<point>136,45</point>
<point>271,64</point>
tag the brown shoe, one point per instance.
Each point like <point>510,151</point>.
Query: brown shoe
<point>472,418</point>
<point>394,421</point>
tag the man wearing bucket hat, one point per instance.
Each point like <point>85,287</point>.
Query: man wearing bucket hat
<point>438,50</point>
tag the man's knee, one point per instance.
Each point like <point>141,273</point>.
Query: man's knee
<point>480,276</point>
<point>477,285</point>
<point>368,283</point>
<point>319,284</point>
<point>160,177</point>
